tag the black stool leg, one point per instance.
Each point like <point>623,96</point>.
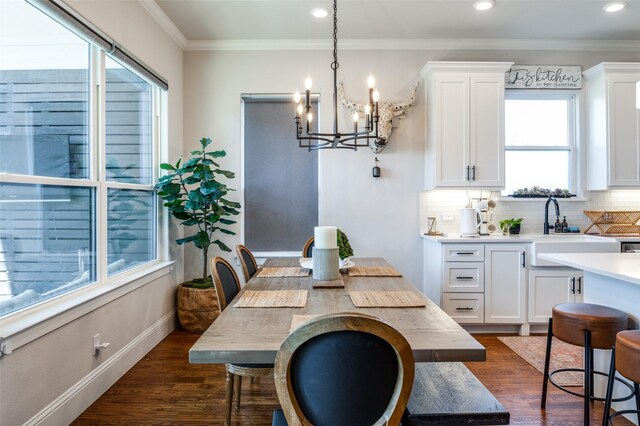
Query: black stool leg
<point>610,382</point>
<point>547,360</point>
<point>636,386</point>
<point>587,375</point>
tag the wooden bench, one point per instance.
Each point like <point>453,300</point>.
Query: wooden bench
<point>447,393</point>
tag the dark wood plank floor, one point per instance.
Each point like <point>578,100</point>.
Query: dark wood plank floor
<point>163,388</point>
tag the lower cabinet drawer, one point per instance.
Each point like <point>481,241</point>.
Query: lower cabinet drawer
<point>463,277</point>
<point>464,308</point>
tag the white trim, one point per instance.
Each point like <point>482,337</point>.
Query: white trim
<point>165,22</point>
<point>71,403</point>
<point>44,180</point>
<point>417,44</point>
<point>35,321</point>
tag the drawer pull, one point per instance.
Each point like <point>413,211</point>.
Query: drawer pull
<point>465,278</point>
<point>464,309</point>
<point>462,253</point>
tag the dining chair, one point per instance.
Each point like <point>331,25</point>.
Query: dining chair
<point>248,262</point>
<point>343,369</point>
<point>227,287</point>
<point>307,250</point>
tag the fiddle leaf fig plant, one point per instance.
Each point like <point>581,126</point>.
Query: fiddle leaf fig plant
<point>193,194</point>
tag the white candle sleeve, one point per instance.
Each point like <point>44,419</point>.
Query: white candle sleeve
<point>325,237</point>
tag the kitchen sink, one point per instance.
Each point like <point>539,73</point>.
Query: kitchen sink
<point>569,244</point>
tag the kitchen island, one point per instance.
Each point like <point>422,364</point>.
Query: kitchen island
<point>610,279</point>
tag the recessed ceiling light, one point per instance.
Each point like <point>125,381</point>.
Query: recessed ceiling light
<point>616,6</point>
<point>319,12</point>
<point>484,4</point>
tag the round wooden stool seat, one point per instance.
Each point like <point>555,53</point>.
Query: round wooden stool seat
<point>628,354</point>
<point>571,320</point>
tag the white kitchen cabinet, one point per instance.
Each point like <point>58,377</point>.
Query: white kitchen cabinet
<point>505,284</point>
<point>464,308</point>
<point>613,126</point>
<point>465,116</point>
<point>463,277</point>
<point>548,287</point>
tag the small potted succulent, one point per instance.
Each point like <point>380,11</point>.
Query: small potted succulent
<point>194,195</point>
<point>511,226</point>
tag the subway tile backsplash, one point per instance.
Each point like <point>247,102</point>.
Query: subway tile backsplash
<point>437,203</point>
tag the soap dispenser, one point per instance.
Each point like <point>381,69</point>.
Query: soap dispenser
<point>565,225</point>
<point>558,226</point>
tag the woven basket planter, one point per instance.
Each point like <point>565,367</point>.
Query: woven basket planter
<point>197,308</point>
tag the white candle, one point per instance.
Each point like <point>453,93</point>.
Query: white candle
<point>325,237</point>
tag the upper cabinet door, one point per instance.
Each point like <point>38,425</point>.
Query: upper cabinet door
<point>451,129</point>
<point>613,126</point>
<point>487,130</point>
<point>465,124</point>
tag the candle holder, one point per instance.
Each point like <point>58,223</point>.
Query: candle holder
<point>326,264</point>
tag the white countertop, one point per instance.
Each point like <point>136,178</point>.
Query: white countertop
<point>521,238</point>
<point>622,266</point>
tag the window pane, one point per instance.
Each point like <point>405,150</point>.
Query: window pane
<point>131,229</point>
<point>546,169</point>
<point>542,122</point>
<point>129,125</point>
<point>46,242</point>
<point>43,95</point>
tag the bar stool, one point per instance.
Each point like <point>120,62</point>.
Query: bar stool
<point>626,360</point>
<point>592,327</point>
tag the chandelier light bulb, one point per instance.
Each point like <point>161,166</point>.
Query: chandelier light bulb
<point>300,109</point>
<point>309,117</point>
<point>356,117</point>
<point>371,82</point>
<point>367,109</point>
<point>376,96</point>
<point>308,83</point>
<point>296,97</point>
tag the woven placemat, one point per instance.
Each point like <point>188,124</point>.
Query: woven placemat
<point>283,272</point>
<point>298,320</point>
<point>387,299</point>
<point>273,299</point>
<point>373,271</point>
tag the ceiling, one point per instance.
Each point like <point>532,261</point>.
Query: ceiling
<point>403,19</point>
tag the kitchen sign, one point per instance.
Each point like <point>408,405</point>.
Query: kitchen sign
<point>544,77</point>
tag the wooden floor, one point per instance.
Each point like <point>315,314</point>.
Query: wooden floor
<point>163,388</point>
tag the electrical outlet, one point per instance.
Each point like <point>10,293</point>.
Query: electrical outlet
<point>98,344</point>
<point>448,217</point>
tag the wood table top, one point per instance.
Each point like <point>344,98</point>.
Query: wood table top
<point>254,335</point>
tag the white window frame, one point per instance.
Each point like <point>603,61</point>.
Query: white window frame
<point>31,322</point>
<point>572,129</point>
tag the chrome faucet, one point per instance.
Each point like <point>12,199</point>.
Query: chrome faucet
<point>546,213</point>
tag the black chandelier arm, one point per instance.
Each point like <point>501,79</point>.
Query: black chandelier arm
<point>313,138</point>
<point>356,138</point>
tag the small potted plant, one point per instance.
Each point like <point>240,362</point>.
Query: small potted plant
<point>194,195</point>
<point>344,248</point>
<point>511,226</point>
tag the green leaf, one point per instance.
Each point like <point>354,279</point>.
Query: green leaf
<point>230,210</point>
<point>217,154</point>
<point>167,166</point>
<point>225,173</point>
<point>222,245</point>
<point>196,152</point>
<point>178,163</point>
<point>186,239</point>
<point>191,162</point>
<point>191,222</point>
<point>172,189</point>
<point>227,221</point>
<point>230,203</point>
<point>201,240</point>
<point>205,142</point>
<point>210,187</point>
<point>181,215</point>
<point>226,231</point>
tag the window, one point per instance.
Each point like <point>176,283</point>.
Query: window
<point>539,141</point>
<point>280,179</point>
<point>68,217</point>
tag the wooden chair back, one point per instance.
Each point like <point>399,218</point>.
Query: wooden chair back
<point>248,262</point>
<point>225,281</point>
<point>307,250</point>
<point>344,369</point>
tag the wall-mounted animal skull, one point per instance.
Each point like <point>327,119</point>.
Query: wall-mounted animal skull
<point>387,111</point>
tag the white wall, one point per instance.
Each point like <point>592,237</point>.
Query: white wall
<point>381,217</point>
<point>51,368</point>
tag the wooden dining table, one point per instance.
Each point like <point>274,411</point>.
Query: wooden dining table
<point>254,335</point>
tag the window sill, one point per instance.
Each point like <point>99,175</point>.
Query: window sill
<point>27,325</point>
<point>541,199</point>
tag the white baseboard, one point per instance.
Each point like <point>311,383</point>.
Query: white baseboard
<point>70,404</point>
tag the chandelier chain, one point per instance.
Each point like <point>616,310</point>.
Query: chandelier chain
<point>335,64</point>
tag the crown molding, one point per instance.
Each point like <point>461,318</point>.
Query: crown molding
<point>415,44</point>
<point>165,22</point>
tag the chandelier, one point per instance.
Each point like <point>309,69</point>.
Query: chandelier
<point>360,136</point>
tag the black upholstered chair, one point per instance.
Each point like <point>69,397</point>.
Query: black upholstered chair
<point>343,369</point>
<point>227,287</point>
<point>248,262</point>
<point>307,250</point>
